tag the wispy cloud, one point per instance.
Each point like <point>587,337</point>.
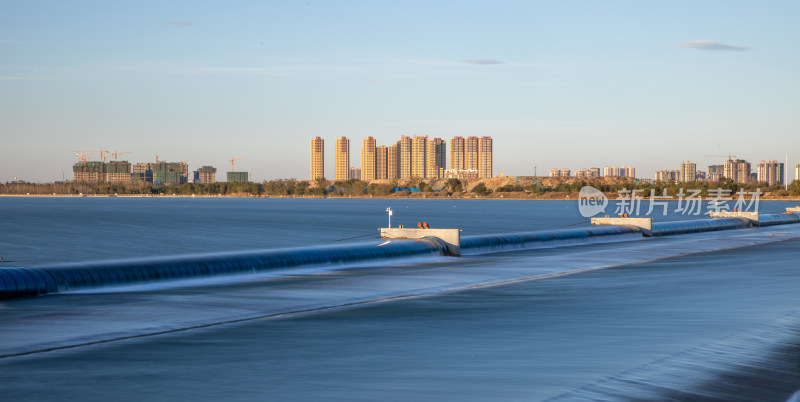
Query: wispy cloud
<point>703,44</point>
<point>181,23</point>
<point>482,61</point>
<point>25,78</point>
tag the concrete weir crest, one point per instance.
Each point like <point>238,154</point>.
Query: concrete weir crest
<point>450,237</point>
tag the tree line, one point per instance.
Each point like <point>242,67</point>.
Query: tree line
<point>354,187</point>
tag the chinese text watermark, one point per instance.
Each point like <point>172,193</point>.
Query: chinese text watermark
<point>592,201</point>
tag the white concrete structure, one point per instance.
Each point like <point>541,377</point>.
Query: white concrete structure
<point>450,237</point>
<point>646,224</point>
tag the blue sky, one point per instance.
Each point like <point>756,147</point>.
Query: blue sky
<point>566,84</point>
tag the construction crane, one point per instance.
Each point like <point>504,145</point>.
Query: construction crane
<point>730,157</point>
<point>83,154</point>
<point>117,154</point>
<point>232,160</point>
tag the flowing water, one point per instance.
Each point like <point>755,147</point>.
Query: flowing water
<point>700,316</point>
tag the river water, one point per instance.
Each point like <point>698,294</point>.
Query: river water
<point>706,316</point>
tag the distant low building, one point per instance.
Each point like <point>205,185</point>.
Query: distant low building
<point>560,173</point>
<point>700,176</point>
<point>207,174</point>
<point>715,173</point>
<point>355,173</point>
<point>593,172</point>
<point>461,174</point>
<point>622,171</point>
<point>238,177</point>
<point>667,176</point>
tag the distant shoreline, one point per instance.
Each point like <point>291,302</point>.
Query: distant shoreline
<point>494,188</point>
<point>505,196</point>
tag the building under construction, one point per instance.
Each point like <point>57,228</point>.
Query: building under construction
<point>207,174</point>
<point>142,173</point>
<point>170,172</point>
<point>241,177</point>
<point>94,171</point>
<point>118,172</point>
<point>91,172</point>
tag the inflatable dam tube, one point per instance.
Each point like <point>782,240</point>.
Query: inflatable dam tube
<point>698,225</point>
<point>19,282</point>
<point>551,238</point>
<point>777,219</point>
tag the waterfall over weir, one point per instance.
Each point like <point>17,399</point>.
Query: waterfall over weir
<point>698,225</point>
<point>20,282</point>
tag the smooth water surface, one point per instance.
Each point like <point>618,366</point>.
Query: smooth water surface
<point>708,316</point>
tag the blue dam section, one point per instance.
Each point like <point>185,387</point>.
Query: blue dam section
<point>550,238</point>
<point>19,282</point>
<point>698,225</point>
<point>777,219</point>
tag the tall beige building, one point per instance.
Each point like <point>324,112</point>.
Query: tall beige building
<point>485,157</point>
<point>770,172</point>
<point>688,172</point>
<point>737,170</point>
<point>317,158</point>
<point>471,153</point>
<point>419,151</point>
<point>457,153</point>
<point>368,159</point>
<point>392,162</point>
<point>381,162</point>
<point>436,157</point>
<point>342,159</point>
<point>404,162</point>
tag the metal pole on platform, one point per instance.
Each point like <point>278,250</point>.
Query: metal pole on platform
<point>389,212</point>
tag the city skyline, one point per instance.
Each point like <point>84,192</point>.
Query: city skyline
<point>409,157</point>
<point>379,162</point>
<point>558,85</point>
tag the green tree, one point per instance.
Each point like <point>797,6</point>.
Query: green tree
<point>454,185</point>
<point>480,189</point>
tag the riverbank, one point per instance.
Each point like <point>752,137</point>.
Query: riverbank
<point>501,187</point>
<point>414,196</point>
